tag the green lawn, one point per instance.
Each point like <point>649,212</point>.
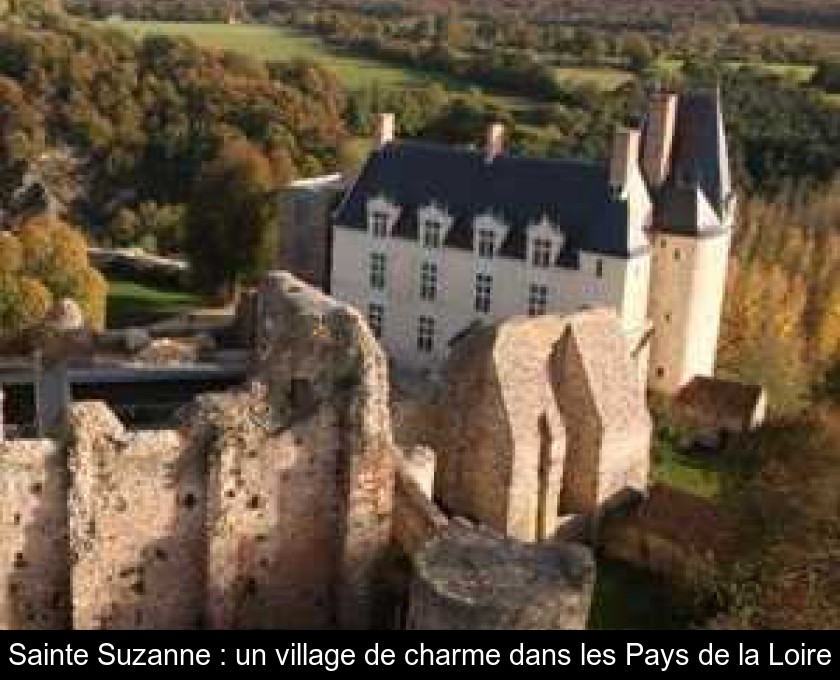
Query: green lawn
<point>798,73</point>
<point>824,39</point>
<point>692,474</point>
<point>276,43</point>
<point>131,303</point>
<point>605,78</point>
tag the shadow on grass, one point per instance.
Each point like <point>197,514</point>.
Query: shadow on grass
<point>628,598</point>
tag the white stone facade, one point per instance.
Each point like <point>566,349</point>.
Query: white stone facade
<point>687,289</point>
<point>510,289</point>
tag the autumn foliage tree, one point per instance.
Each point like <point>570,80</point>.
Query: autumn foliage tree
<point>44,261</point>
<point>781,324</point>
<point>231,219</point>
<point>785,573</point>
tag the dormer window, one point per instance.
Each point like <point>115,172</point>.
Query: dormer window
<point>379,225</point>
<point>541,252</point>
<point>432,231</point>
<point>486,243</point>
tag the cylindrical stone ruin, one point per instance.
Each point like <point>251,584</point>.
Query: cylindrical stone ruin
<point>470,578</point>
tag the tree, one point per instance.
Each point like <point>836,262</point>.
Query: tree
<point>638,52</point>
<point>231,219</point>
<point>45,261</point>
<point>762,339</point>
<point>784,573</point>
<point>122,230</point>
<point>827,76</point>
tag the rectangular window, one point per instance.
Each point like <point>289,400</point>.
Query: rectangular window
<point>428,281</point>
<point>425,334</point>
<point>431,234</point>
<point>486,242</point>
<point>377,271</point>
<point>599,268</point>
<point>376,319</point>
<point>541,250</point>
<point>380,225</point>
<point>483,292</point>
<point>537,299</point>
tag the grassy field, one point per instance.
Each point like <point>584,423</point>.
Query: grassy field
<point>131,303</point>
<point>692,474</point>
<point>826,40</point>
<point>798,73</point>
<point>278,43</point>
<point>275,43</point>
<point>603,78</point>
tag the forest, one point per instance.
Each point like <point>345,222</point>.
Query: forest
<point>638,14</point>
<point>106,123</point>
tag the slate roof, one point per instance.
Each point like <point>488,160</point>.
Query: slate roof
<point>699,160</point>
<point>575,195</point>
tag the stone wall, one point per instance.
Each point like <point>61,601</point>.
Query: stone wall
<point>270,507</point>
<point>272,518</point>
<point>287,504</point>
<point>501,450</point>
<point>315,354</point>
<point>540,418</point>
<point>608,424</point>
<point>305,229</point>
<point>34,569</point>
<point>416,517</point>
<point>474,579</point>
<point>137,508</point>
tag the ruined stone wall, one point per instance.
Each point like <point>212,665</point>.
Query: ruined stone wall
<point>34,569</point>
<point>474,467</point>
<point>521,359</point>
<point>288,505</point>
<point>320,447</point>
<point>269,507</point>
<point>272,518</point>
<point>136,522</point>
<point>475,579</point>
<point>502,443</point>
<point>608,424</point>
<point>416,517</point>
<point>580,477</point>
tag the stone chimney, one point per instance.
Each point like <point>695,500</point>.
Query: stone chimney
<point>495,141</point>
<point>659,137</point>
<point>386,125</point>
<point>625,157</point>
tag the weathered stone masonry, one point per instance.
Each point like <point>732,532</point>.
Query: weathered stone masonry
<point>270,507</point>
<point>34,569</point>
<point>283,504</point>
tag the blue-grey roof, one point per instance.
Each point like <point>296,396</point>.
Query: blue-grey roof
<point>699,158</point>
<point>574,195</point>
